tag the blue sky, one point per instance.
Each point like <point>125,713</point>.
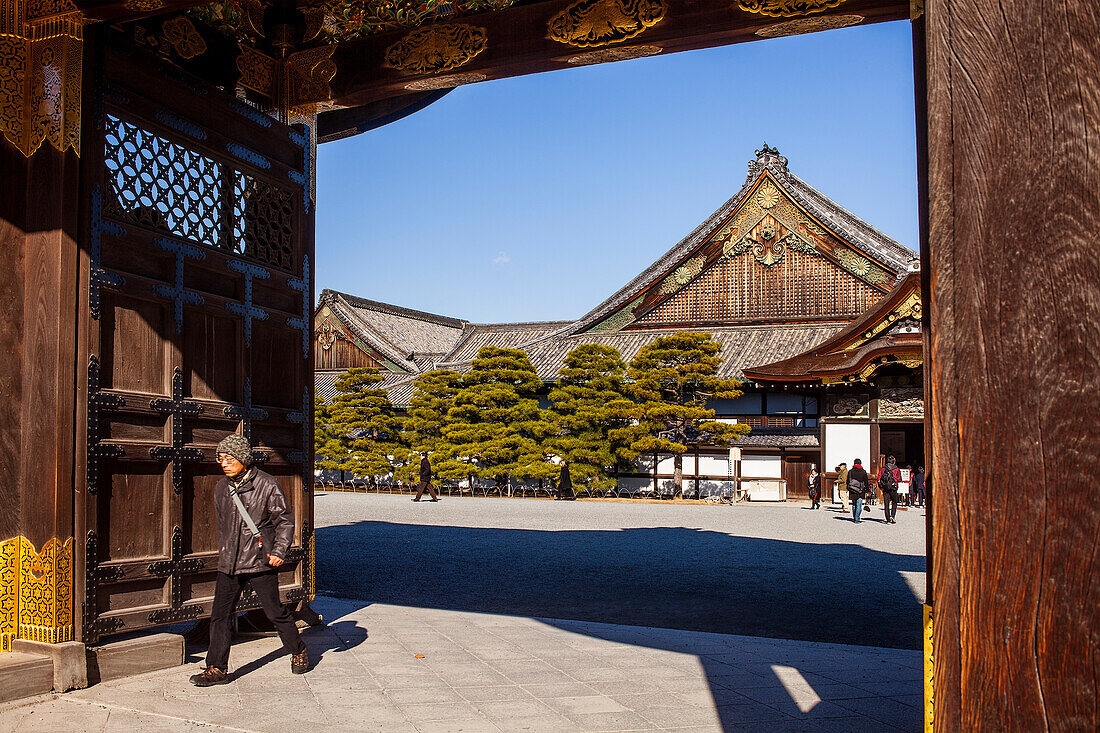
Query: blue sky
<point>537,197</point>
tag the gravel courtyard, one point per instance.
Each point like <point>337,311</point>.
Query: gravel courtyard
<point>759,570</point>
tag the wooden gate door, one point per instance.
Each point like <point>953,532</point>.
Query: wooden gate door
<point>194,323</point>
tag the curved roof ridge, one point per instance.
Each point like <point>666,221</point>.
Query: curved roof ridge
<point>357,302</point>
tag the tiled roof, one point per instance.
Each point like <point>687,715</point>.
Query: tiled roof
<point>502,335</point>
<point>757,440</point>
<point>396,332</point>
<point>325,383</point>
<point>846,225</point>
<point>742,346</point>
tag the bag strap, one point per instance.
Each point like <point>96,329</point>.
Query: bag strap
<point>243,512</point>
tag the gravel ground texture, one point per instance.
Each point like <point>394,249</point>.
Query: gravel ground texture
<point>773,570</point>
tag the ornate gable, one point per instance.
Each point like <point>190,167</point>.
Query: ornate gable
<point>768,262</point>
<point>335,346</point>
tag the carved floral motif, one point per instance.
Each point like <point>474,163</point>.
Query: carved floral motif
<point>181,33</point>
<point>787,8</point>
<point>437,48</point>
<point>593,23</point>
<point>607,55</point>
<point>448,81</point>
<point>809,25</point>
<point>900,402</point>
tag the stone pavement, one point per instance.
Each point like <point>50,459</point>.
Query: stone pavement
<point>398,669</point>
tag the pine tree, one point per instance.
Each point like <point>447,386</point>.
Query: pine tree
<point>673,378</point>
<point>365,426</point>
<point>328,451</point>
<point>432,398</point>
<point>495,427</point>
<point>594,416</point>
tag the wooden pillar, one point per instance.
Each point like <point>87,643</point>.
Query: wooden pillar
<point>38,271</point>
<point>1014,180</point>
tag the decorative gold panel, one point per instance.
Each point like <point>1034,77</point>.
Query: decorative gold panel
<point>36,590</point>
<point>295,84</point>
<point>618,320</point>
<point>437,48</point>
<point>809,25</point>
<point>593,23</point>
<point>40,75</point>
<point>788,8</point>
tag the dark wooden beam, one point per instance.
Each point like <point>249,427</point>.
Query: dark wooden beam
<point>1014,115</point>
<point>518,42</point>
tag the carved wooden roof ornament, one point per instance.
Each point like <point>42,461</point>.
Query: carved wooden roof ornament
<point>594,23</point>
<point>788,8</point>
<point>437,48</point>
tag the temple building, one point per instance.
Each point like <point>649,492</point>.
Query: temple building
<point>818,313</point>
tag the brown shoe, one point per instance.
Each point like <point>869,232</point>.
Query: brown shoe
<point>299,663</point>
<point>209,677</point>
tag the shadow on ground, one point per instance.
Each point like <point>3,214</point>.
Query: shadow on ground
<point>666,577</point>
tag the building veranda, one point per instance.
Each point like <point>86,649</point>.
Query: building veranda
<point>818,314</point>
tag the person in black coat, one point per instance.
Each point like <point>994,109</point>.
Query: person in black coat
<point>565,484</point>
<point>815,488</point>
<point>426,479</point>
<point>858,482</point>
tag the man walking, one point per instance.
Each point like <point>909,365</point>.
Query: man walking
<point>888,478</point>
<point>255,528</point>
<point>425,479</point>
<point>857,485</point>
<point>842,485</point>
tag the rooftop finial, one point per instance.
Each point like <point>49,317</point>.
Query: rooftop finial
<point>768,157</point>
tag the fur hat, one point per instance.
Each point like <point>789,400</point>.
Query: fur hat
<point>237,446</point>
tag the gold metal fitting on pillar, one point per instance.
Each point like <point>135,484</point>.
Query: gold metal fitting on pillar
<point>36,591</point>
<point>41,48</point>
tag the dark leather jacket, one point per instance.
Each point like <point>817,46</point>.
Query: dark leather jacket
<point>238,550</point>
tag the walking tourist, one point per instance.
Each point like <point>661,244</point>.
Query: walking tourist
<point>857,487</point>
<point>425,479</point>
<point>916,487</point>
<point>255,528</point>
<point>565,484</point>
<point>814,482</point>
<point>888,478</point>
<point>842,485</point>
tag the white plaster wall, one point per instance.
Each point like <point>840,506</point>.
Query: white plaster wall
<point>761,466</point>
<point>846,443</point>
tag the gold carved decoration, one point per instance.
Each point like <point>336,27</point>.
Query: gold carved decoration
<point>787,8</point>
<point>592,23</point>
<point>181,33</point>
<point>909,307</point>
<point>437,48</point>
<point>607,55</point>
<point>326,336</point>
<point>916,9</point>
<point>809,25</point>
<point>295,84</point>
<point>767,196</point>
<point>144,6</point>
<point>40,74</point>
<point>682,275</point>
<point>618,320</point>
<point>36,590</point>
<point>446,82</point>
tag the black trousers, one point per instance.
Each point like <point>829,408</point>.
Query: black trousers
<point>426,485</point>
<point>227,592</point>
<point>890,504</point>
